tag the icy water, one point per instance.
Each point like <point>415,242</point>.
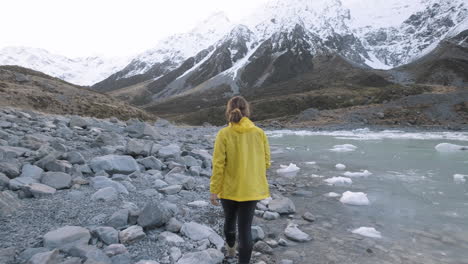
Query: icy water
<point>415,203</point>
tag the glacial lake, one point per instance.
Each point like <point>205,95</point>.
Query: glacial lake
<point>419,208</point>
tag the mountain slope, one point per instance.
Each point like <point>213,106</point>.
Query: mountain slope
<point>29,89</point>
<point>80,71</point>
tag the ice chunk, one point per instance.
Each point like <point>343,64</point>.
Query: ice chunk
<point>354,198</point>
<point>448,147</point>
<point>338,181</point>
<point>340,166</point>
<point>459,178</point>
<point>333,194</point>
<point>291,168</point>
<point>344,148</point>
<point>310,162</point>
<point>367,232</point>
<point>363,173</point>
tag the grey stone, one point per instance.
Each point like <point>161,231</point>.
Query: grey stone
<point>4,180</point>
<point>195,170</point>
<point>147,262</point>
<point>308,216</point>
<point>57,180</point>
<point>173,225</point>
<point>201,154</point>
<point>48,257</point>
<point>131,234</point>
<point>31,171</point>
<point>133,212</point>
<point>48,157</point>
<point>105,194</point>
<point>263,247</point>
<point>271,215</point>
<point>153,215</point>
<point>119,219</point>
<point>115,249</point>
<point>75,157</point>
<point>7,255</point>
<point>191,161</point>
<point>29,252</point>
<point>40,190</point>
<point>151,163</point>
<point>77,121</point>
<point>122,259</point>
<point>67,236</point>
<point>10,168</point>
<point>9,152</point>
<point>108,139</point>
<point>9,203</point>
<point>158,184</point>
<point>138,148</point>
<point>92,254</point>
<point>107,234</point>
<point>293,233</point>
<point>20,182</point>
<point>114,164</point>
<point>129,186</point>
<point>58,165</point>
<point>171,238</point>
<point>141,129</point>
<point>170,151</point>
<point>100,182</point>
<point>172,189</point>
<point>197,232</point>
<point>208,256</point>
<point>257,233</point>
<point>187,182</point>
<point>175,253</point>
<point>282,205</point>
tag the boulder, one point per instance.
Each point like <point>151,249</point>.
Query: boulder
<point>20,183</point>
<point>208,256</point>
<point>151,163</point>
<point>58,165</point>
<point>48,257</point>
<point>293,233</point>
<point>187,182</point>
<point>308,216</point>
<point>263,247</point>
<point>31,171</point>
<point>92,254</point>
<point>171,238</point>
<point>100,182</point>
<point>7,255</point>
<point>27,254</point>
<point>115,249</point>
<point>141,129</point>
<point>271,215</point>
<point>114,164</point>
<point>173,225</point>
<point>9,152</point>
<point>138,148</point>
<point>75,157</point>
<point>197,232</point>
<point>154,214</point>
<point>67,236</point>
<point>107,234</point>
<point>172,189</point>
<point>77,121</point>
<point>131,234</point>
<point>190,161</point>
<point>39,190</point>
<point>119,219</point>
<point>257,233</point>
<point>282,205</point>
<point>5,181</point>
<point>105,194</point>
<point>11,168</point>
<point>57,180</point>
<point>9,203</point>
<point>169,151</point>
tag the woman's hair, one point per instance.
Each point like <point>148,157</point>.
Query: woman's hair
<point>237,107</point>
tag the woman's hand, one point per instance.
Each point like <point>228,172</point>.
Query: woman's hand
<point>214,199</point>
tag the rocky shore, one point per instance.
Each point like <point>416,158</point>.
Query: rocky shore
<point>86,190</point>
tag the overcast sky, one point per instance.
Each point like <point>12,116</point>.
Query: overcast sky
<point>105,27</point>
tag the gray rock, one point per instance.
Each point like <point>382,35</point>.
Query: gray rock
<point>282,205</point>
<point>40,190</point>
<point>197,232</point>
<point>7,255</point>
<point>92,254</point>
<point>263,247</point>
<point>147,262</point>
<point>170,151</point>
<point>187,182</point>
<point>293,233</point>
<point>31,171</point>
<point>172,189</point>
<point>195,170</point>
<point>107,234</point>
<point>171,238</point>
<point>310,114</point>
<point>173,225</point>
<point>4,180</point>
<point>201,154</point>
<point>105,194</point>
<point>114,164</point>
<point>133,212</point>
<point>20,183</point>
<point>115,249</point>
<point>9,152</point>
<point>308,216</point>
<point>9,203</point>
<point>129,186</point>
<point>48,257</point>
<point>138,148</point>
<point>58,165</point>
<point>122,259</point>
<point>257,233</point>
<point>108,139</point>
<point>175,253</point>
<point>151,193</point>
<point>286,261</point>
<point>131,234</point>
<point>141,129</point>
<point>158,184</point>
<point>119,219</point>
<point>283,242</point>
<point>77,121</point>
<point>50,156</point>
<point>151,163</point>
<point>75,157</point>
<point>10,168</point>
<point>271,215</point>
<point>29,252</point>
<point>209,256</point>
<point>57,180</point>
<point>100,182</point>
<point>67,236</point>
<point>153,215</point>
<point>191,161</point>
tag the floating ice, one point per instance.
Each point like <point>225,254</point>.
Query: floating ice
<point>291,168</point>
<point>310,162</point>
<point>448,147</point>
<point>459,178</point>
<point>343,148</point>
<point>354,198</point>
<point>367,232</point>
<point>338,181</point>
<point>363,173</point>
<point>340,166</point>
<point>333,194</point>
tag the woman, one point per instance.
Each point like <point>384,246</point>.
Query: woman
<point>240,159</point>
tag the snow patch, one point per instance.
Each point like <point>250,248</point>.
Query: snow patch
<point>340,166</point>
<point>354,198</point>
<point>367,232</point>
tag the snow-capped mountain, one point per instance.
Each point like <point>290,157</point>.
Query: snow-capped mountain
<point>81,71</point>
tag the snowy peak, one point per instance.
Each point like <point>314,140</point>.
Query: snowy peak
<point>81,71</point>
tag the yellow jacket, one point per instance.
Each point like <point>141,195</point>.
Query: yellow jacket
<point>240,159</point>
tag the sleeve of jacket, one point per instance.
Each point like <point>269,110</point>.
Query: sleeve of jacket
<point>267,151</point>
<point>219,162</point>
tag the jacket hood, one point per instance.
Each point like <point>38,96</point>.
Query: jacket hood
<point>243,126</point>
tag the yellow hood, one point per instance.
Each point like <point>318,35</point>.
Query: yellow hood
<point>243,126</point>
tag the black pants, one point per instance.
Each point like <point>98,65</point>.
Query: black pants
<point>242,213</point>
